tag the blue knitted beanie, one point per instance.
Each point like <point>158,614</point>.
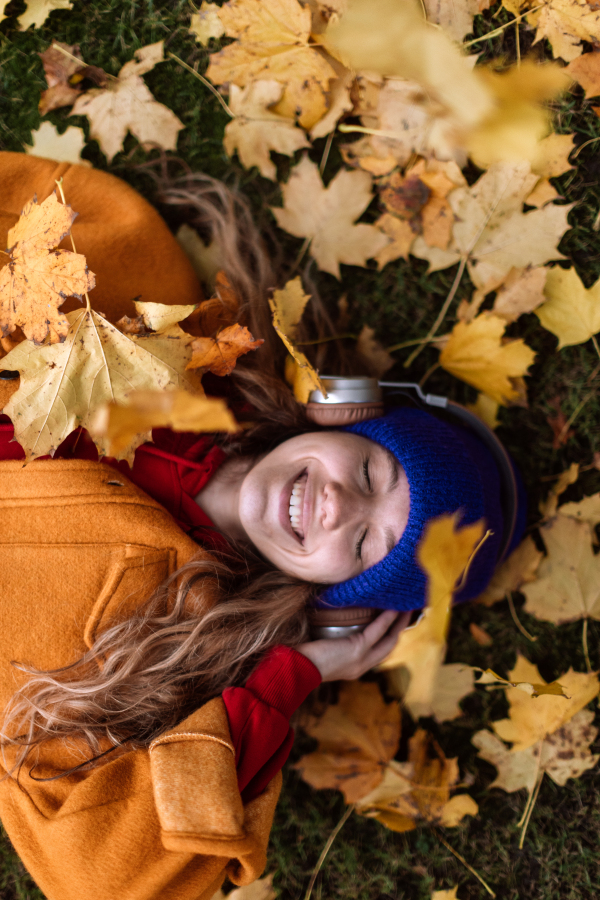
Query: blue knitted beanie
<point>448,469</point>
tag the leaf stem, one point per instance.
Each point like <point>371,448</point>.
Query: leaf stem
<point>405,344</point>
<point>301,253</point>
<point>327,848</point>
<point>501,28</point>
<point>515,618</point>
<point>205,82</point>
<point>59,184</point>
<point>532,801</point>
<point>464,862</point>
<point>326,151</point>
<point>595,343</point>
<point>325,340</point>
<point>565,429</point>
<point>442,312</point>
<point>584,641</point>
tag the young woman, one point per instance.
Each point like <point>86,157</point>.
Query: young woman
<point>158,616</point>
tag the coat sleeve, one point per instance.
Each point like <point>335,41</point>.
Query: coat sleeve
<point>164,823</point>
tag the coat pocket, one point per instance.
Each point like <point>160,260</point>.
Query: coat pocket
<point>133,575</point>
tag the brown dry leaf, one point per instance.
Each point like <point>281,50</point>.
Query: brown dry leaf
<point>59,69</point>
<point>418,199</point>
<point>206,23</point>
<point>126,104</point>
<point>418,791</point>
<point>532,719</point>
<point>565,23</point>
<point>326,215</point>
<point>480,635</point>
<point>493,233</point>
<point>444,553</point>
<point>542,194</point>
<point>520,568</point>
<point>65,147</point>
<point>221,309</point>
<point>522,292</point>
<point>561,433</point>
<point>486,409</point>
<point>474,352</point>
<point>568,583</point>
<point>257,890</point>
<point>37,11</point>
<point>256,131</point>
<point>372,353</point>
<point>62,385</point>
<point>38,278</point>
<point>287,306</point>
<point>357,739</point>
<point>552,157</point>
<point>120,424</point>
<point>564,754</point>
<point>571,311</point>
<point>586,71</point>
<point>272,42</point>
<point>220,354</point>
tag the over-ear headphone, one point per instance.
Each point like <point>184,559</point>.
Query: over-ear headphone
<point>352,400</point>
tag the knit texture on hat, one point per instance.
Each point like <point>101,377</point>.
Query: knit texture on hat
<point>448,469</point>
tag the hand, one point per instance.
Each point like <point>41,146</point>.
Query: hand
<point>345,659</point>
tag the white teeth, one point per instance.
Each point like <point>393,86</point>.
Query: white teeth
<point>296,501</point>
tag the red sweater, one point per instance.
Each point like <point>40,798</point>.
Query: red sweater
<point>172,471</point>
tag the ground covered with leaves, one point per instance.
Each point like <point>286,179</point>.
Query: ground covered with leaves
<point>411,215</point>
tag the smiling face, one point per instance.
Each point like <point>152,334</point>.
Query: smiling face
<point>325,506</point>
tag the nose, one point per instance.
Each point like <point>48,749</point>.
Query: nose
<point>338,506</point>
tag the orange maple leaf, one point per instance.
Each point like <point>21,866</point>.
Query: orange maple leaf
<point>38,278</point>
<point>220,354</point>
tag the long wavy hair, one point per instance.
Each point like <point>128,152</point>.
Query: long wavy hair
<point>206,627</point>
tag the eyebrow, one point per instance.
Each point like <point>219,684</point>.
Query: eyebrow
<point>390,539</point>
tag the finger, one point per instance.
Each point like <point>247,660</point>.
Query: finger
<point>387,643</point>
<point>378,627</point>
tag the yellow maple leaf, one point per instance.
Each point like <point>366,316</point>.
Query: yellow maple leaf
<point>287,306</point>
<point>474,353</point>
<point>327,215</point>
<point>220,354</point>
<point>418,790</point>
<point>491,231</point>
<point>456,19</point>
<point>37,11</point>
<point>121,424</point>
<point>531,719</point>
<point>565,24</point>
<point>522,292</point>
<point>518,569</point>
<point>126,104</point>
<point>586,510</point>
<point>358,736</point>
<point>273,43</point>
<point>568,579</point>
<point>62,385</point>
<point>38,278</point>
<point>444,553</point>
<point>564,754</point>
<point>206,23</point>
<point>450,894</point>
<point>65,147</point>
<point>552,157</point>
<point>256,131</point>
<point>570,312</point>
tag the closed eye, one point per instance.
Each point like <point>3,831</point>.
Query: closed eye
<point>359,544</point>
<point>367,474</point>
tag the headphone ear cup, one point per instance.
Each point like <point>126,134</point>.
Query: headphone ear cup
<point>336,415</point>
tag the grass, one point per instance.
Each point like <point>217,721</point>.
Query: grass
<point>367,862</point>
